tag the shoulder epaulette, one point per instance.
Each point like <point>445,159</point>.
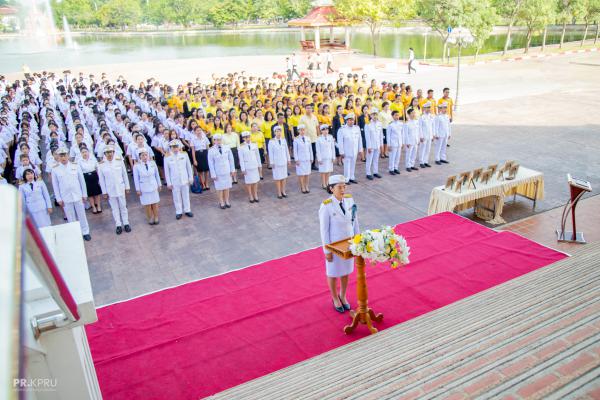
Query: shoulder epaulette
<point>326,201</point>
<point>118,158</point>
<point>348,195</point>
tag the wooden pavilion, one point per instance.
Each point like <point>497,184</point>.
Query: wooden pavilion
<point>322,16</point>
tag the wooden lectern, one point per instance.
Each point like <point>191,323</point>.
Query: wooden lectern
<point>364,314</point>
<point>578,188</point>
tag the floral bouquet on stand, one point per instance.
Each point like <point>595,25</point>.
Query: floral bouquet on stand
<point>381,245</point>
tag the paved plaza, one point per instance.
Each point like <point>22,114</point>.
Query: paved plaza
<point>541,113</point>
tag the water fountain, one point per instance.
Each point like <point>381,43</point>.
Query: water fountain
<point>38,23</point>
<point>69,42</point>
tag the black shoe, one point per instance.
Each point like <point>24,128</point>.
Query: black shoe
<point>156,222</point>
<point>314,168</point>
<point>87,237</point>
<point>279,196</point>
<point>119,230</point>
<point>178,216</point>
<point>189,214</point>
<point>408,170</point>
<point>414,168</point>
<point>222,207</point>
<point>256,200</point>
<point>262,178</point>
<point>208,188</point>
<point>377,176</point>
<point>422,165</point>
<point>251,201</point>
<point>427,165</point>
<point>127,228</point>
<point>438,163</point>
<point>397,172</point>
<point>447,145</point>
<point>339,309</point>
<point>284,195</point>
<point>370,177</point>
<point>346,306</point>
<point>353,181</point>
<point>235,182</point>
<point>445,162</point>
<point>392,172</point>
<point>227,205</point>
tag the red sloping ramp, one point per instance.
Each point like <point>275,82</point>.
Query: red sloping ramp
<point>203,337</point>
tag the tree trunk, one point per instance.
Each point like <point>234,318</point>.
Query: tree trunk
<point>562,36</point>
<point>477,53</point>
<point>373,40</point>
<point>444,51</point>
<point>508,37</point>
<point>544,39</point>
<point>597,31</point>
<point>529,35</point>
<point>587,24</point>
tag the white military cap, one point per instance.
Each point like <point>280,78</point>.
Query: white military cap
<point>349,116</point>
<point>427,105</point>
<point>142,150</point>
<point>443,105</point>
<point>335,179</point>
<point>62,150</point>
<point>277,128</point>
<point>374,110</point>
<point>324,126</point>
<point>301,126</point>
<point>109,148</point>
<point>175,143</point>
<point>217,136</point>
<point>245,134</point>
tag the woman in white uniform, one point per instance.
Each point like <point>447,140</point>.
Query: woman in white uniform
<point>338,220</point>
<point>279,157</point>
<point>250,166</point>
<point>222,169</point>
<point>37,199</point>
<point>325,155</point>
<point>147,184</point>
<point>303,156</point>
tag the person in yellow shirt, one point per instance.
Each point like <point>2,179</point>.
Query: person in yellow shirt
<point>231,139</point>
<point>397,106</point>
<point>266,129</point>
<point>431,100</point>
<point>407,96</point>
<point>446,99</point>
<point>256,136</point>
<point>294,119</point>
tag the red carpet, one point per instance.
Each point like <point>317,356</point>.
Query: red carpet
<point>203,337</point>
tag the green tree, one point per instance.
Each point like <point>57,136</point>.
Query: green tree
<point>481,23</point>
<point>226,12</point>
<point>266,9</point>
<point>535,15</point>
<point>565,12</point>
<point>588,10</point>
<point>78,12</point>
<point>120,13</point>
<point>289,9</point>
<point>508,9</point>
<point>374,13</point>
<point>440,15</point>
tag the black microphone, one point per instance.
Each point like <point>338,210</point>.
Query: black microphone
<point>354,207</point>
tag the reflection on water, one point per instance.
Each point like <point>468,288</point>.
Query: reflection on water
<point>120,48</point>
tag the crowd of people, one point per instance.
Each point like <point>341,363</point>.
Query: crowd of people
<point>92,139</point>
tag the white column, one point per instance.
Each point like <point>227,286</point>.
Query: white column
<point>302,36</point>
<point>317,38</point>
<point>331,34</point>
<point>347,39</point>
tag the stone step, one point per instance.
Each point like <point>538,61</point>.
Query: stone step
<point>494,342</point>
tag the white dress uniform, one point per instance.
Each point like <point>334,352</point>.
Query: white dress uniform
<point>69,187</point>
<point>374,141</point>
<point>394,141</point>
<point>349,144</point>
<point>147,181</point>
<point>337,224</point>
<point>410,137</point>
<point>426,133</point>
<point>178,174</point>
<point>113,181</point>
<point>221,165</point>
<point>325,153</point>
<point>279,156</point>
<point>443,131</point>
<point>249,162</point>
<point>302,155</point>
<point>37,200</point>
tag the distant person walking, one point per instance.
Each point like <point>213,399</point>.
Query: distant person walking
<point>411,59</point>
<point>329,60</point>
<point>295,65</point>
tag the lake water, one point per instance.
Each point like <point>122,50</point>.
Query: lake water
<point>92,49</point>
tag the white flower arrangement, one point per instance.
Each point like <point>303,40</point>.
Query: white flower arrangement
<point>381,245</point>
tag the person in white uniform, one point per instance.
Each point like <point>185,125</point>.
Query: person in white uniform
<point>374,140</point>
<point>394,139</point>
<point>179,177</point>
<point>441,134</point>
<point>36,198</point>
<point>115,184</point>
<point>146,180</point>
<point>303,157</point>
<point>279,157</point>
<point>325,154</point>
<point>70,191</point>
<point>338,220</point>
<point>410,138</point>
<point>426,135</point>
<point>222,169</point>
<point>350,146</point>
<point>250,166</point>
